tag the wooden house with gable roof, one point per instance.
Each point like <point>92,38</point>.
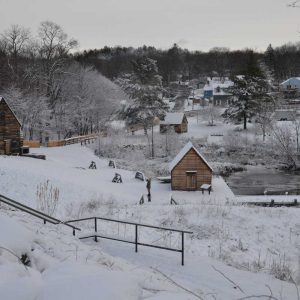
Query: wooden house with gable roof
<point>10,130</point>
<point>176,120</point>
<point>189,170</point>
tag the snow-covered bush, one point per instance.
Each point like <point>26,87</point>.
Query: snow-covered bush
<point>47,198</point>
<point>280,269</point>
<point>95,206</point>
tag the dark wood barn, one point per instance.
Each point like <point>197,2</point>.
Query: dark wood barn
<point>10,130</point>
<point>178,121</point>
<point>189,170</point>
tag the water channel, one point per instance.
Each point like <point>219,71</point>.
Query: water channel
<point>257,180</point>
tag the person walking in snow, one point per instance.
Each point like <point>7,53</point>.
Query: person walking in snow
<point>148,186</point>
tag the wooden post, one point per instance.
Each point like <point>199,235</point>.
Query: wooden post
<point>152,140</point>
<point>136,238</point>
<point>96,239</point>
<point>182,248</point>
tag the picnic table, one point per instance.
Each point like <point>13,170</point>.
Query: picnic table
<point>165,179</point>
<point>205,187</point>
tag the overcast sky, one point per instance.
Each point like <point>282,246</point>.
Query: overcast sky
<point>193,24</point>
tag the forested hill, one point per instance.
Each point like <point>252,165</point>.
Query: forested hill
<point>283,61</point>
<point>51,93</point>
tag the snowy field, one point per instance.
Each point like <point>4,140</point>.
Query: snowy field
<point>234,251</point>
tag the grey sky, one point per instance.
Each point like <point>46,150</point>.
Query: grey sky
<point>194,24</point>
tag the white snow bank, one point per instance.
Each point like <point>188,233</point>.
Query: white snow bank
<point>17,283</point>
<point>14,236</point>
<point>77,282</point>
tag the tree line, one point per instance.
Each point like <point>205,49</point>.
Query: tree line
<point>283,61</point>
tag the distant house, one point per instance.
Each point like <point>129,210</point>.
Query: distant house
<point>10,130</point>
<point>178,121</point>
<point>291,83</point>
<point>285,115</point>
<point>290,87</point>
<point>196,97</point>
<point>216,90</point>
<point>189,170</point>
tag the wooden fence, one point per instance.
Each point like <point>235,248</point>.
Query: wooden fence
<point>57,143</point>
<point>31,144</point>
<point>82,139</point>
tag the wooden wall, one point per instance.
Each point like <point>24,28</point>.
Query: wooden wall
<point>9,130</point>
<point>190,162</point>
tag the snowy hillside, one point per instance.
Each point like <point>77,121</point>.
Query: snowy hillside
<point>234,251</point>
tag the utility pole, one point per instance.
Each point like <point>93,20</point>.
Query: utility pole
<point>152,140</point>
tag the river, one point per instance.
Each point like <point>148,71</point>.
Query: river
<point>256,180</point>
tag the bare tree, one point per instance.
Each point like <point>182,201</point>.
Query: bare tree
<point>264,115</point>
<point>283,138</point>
<point>212,114</point>
<point>14,41</point>
<point>296,125</point>
<point>54,47</point>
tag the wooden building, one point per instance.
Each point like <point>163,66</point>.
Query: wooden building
<point>178,121</point>
<point>189,170</point>
<point>10,130</point>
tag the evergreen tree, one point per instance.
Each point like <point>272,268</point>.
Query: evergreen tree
<point>269,57</point>
<point>248,93</point>
<point>252,67</point>
<point>144,88</point>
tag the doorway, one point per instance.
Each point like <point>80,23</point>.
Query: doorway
<point>191,180</point>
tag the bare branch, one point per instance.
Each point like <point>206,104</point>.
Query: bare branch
<point>231,281</point>
<point>15,255</point>
<point>267,297</point>
<point>177,284</point>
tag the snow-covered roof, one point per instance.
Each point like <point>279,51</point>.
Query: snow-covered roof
<point>2,99</point>
<point>173,118</point>
<point>290,80</point>
<point>213,84</point>
<point>182,153</point>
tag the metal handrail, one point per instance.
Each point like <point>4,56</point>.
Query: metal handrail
<point>96,235</point>
<point>34,212</point>
<point>130,223</point>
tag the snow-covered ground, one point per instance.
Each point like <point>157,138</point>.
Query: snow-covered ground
<point>234,251</point>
